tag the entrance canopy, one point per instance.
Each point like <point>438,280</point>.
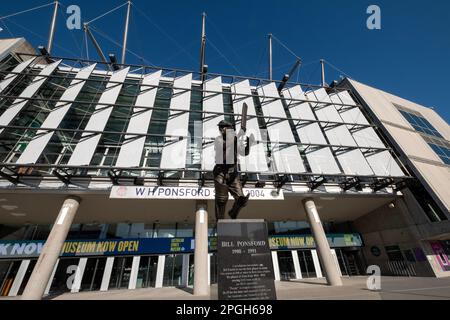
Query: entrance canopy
<point>42,208</point>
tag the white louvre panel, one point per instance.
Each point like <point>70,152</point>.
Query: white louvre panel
<point>320,160</point>
<point>348,114</point>
<point>36,146</point>
<point>85,148</point>
<point>256,160</point>
<point>12,76</point>
<point>364,137</point>
<point>29,92</point>
<point>131,151</point>
<point>212,102</point>
<point>382,163</point>
<point>286,157</point>
<point>352,161</point>
<point>174,152</point>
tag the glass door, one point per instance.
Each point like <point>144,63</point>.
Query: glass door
<point>147,272</point>
<point>93,274</point>
<point>27,276</point>
<point>121,271</point>
<point>191,270</point>
<point>8,271</point>
<point>286,265</point>
<point>172,270</point>
<point>306,264</point>
<point>213,268</point>
<point>342,262</point>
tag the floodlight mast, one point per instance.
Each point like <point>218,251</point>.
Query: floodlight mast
<point>203,47</point>
<point>322,64</point>
<point>125,33</point>
<point>52,27</point>
<point>270,57</point>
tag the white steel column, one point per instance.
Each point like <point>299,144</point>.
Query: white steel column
<point>107,274</point>
<point>209,268</point>
<point>298,271</point>
<point>336,261</point>
<point>79,275</point>
<point>49,284</point>
<point>201,250</point>
<point>50,252</point>
<point>316,262</point>
<point>276,268</point>
<point>19,278</point>
<point>160,271</point>
<point>134,272</point>
<point>185,271</point>
<point>322,246</point>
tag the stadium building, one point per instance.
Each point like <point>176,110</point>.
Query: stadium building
<point>106,176</point>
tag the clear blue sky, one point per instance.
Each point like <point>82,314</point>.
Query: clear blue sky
<point>409,56</point>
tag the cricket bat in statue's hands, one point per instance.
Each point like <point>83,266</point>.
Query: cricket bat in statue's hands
<point>244,117</point>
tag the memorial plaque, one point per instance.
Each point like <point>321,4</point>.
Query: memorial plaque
<point>244,261</point>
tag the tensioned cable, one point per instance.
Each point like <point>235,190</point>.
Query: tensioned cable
<point>223,56</point>
<point>28,10</point>
<point>119,45</point>
<point>106,13</point>
<point>7,29</point>
<point>277,68</point>
<point>233,50</point>
<point>165,61</point>
<point>258,67</point>
<point>337,69</point>
<point>140,48</point>
<point>163,32</point>
<point>286,47</point>
<point>39,36</point>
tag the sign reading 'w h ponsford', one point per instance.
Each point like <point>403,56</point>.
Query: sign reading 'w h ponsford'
<point>185,193</point>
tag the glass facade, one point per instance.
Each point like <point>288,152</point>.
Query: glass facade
<point>93,274</point>
<point>434,139</point>
<point>420,123</point>
<point>441,147</point>
<point>103,156</point>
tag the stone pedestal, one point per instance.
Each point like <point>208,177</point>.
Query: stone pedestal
<point>245,269</point>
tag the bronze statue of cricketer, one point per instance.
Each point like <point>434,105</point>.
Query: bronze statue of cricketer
<point>227,146</point>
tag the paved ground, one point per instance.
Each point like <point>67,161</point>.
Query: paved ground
<point>392,288</point>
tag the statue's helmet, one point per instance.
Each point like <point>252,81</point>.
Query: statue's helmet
<point>225,124</point>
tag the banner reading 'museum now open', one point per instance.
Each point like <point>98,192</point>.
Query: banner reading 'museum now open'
<point>149,246</point>
<point>186,193</point>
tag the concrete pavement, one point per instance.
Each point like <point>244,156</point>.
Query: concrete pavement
<point>354,288</point>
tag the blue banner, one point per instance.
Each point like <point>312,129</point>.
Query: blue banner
<point>141,246</point>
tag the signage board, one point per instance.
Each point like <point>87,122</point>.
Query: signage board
<point>244,260</point>
<point>141,246</point>
<point>186,193</point>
